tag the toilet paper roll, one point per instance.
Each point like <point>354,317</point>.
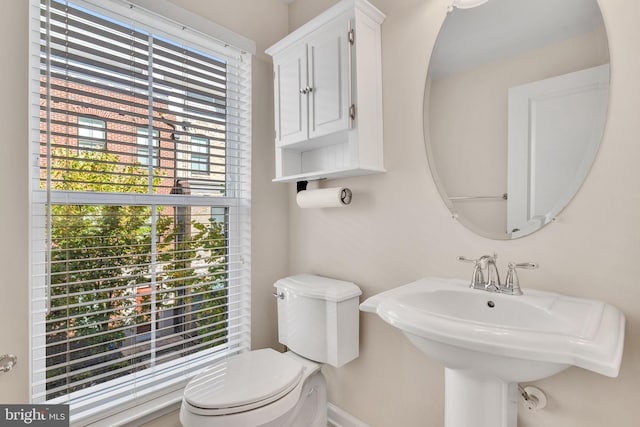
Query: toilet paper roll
<point>335,197</point>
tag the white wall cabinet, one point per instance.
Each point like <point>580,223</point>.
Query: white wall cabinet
<point>328,95</point>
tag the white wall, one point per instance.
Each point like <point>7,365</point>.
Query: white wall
<point>398,229</point>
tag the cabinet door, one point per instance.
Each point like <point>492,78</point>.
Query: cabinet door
<point>329,99</point>
<point>291,105</point>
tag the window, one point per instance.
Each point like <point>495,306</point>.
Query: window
<point>140,275</point>
<point>143,147</point>
<point>91,133</point>
<point>200,155</point>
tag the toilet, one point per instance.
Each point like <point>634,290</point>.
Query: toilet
<point>318,322</point>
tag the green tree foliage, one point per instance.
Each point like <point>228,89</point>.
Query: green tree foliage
<point>100,256</point>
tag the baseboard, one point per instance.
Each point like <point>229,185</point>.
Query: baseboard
<point>340,418</point>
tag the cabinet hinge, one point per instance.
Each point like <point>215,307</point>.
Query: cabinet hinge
<point>352,36</point>
<point>352,111</point>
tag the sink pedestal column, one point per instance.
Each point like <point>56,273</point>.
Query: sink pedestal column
<point>474,399</point>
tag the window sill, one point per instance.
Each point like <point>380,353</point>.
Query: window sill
<point>143,413</point>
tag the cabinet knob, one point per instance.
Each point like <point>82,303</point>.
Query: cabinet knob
<point>306,90</point>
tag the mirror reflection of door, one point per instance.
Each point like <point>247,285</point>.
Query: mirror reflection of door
<point>480,55</point>
<point>550,149</point>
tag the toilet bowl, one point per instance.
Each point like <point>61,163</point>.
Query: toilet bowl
<point>258,388</point>
<point>318,322</point>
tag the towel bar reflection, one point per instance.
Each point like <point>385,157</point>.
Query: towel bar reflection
<point>503,196</point>
<point>7,362</point>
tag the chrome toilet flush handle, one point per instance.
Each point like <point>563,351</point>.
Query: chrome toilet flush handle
<point>7,362</point>
<point>278,294</point>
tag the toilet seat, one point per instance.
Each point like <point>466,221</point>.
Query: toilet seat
<point>243,382</point>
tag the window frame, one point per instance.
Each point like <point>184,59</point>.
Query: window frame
<point>142,147</point>
<point>92,142</point>
<point>202,166</point>
<point>237,200</point>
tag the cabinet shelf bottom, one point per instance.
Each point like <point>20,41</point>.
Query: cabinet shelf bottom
<point>328,174</point>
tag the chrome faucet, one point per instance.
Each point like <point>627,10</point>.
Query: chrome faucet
<point>486,277</point>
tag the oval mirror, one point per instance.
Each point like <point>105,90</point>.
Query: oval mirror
<point>514,110</point>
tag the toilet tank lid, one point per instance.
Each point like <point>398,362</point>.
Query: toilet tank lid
<point>319,287</point>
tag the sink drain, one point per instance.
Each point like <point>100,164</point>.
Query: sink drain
<point>491,304</point>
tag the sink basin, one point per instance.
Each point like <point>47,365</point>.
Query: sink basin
<point>488,342</point>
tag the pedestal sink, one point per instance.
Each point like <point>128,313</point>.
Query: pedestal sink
<point>489,342</point>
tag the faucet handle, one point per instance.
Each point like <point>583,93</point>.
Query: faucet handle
<point>525,265</point>
<point>482,259</point>
<point>512,283</point>
<point>477,278</point>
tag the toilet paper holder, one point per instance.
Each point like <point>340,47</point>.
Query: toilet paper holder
<point>322,198</point>
<point>301,186</point>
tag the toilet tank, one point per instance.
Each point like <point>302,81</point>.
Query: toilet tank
<point>318,318</point>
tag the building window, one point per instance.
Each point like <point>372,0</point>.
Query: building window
<point>140,275</point>
<point>142,138</point>
<point>200,155</point>
<point>218,215</point>
<point>92,134</point>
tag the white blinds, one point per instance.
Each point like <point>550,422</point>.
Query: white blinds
<point>140,204</point>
